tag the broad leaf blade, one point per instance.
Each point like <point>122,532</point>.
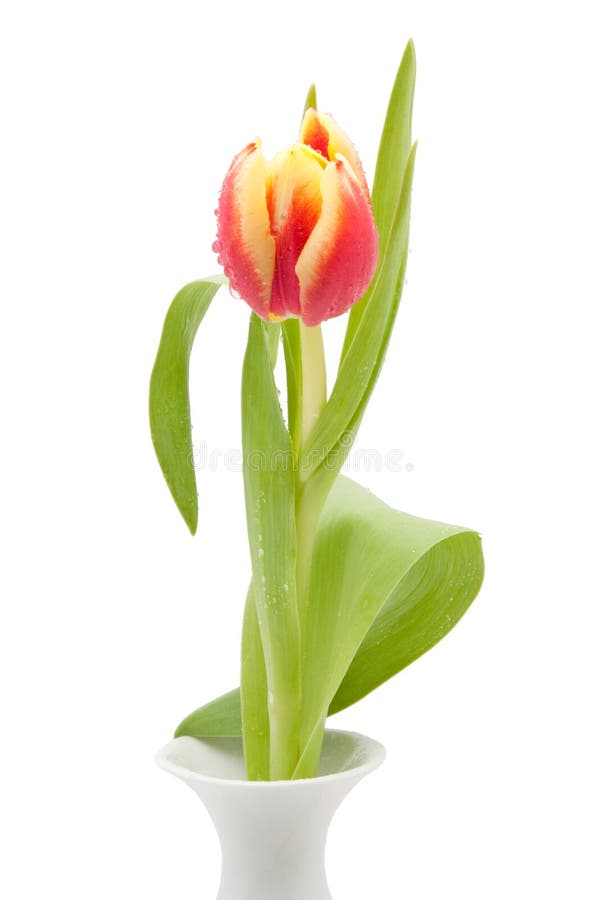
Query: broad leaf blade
<point>409,579</point>
<point>422,608</point>
<point>170,422</point>
<point>385,587</point>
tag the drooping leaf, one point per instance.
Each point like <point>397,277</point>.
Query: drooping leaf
<point>269,484</point>
<point>170,422</point>
<point>385,588</point>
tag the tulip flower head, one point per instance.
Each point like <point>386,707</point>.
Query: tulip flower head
<point>296,235</point>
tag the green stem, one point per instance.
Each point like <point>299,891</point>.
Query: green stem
<point>309,501</point>
<point>284,724</point>
<point>314,379</point>
<point>310,497</point>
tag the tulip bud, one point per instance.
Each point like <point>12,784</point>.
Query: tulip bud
<point>296,235</point>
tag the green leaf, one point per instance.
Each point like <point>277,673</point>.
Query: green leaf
<point>254,687</point>
<point>254,696</point>
<point>332,436</point>
<point>385,588</point>
<point>394,149</point>
<point>269,484</point>
<point>221,717</point>
<point>170,423</point>
<point>395,144</point>
<point>311,98</point>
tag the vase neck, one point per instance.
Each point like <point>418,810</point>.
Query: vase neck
<point>273,846</point>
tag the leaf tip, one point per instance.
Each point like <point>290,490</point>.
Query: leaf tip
<point>191,520</point>
<point>311,98</point>
<point>410,52</point>
<point>183,729</point>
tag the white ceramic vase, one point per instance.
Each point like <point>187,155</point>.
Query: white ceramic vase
<point>272,833</point>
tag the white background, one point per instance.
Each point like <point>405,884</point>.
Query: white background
<point>119,120</point>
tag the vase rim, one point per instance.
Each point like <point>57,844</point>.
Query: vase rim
<point>373,750</point>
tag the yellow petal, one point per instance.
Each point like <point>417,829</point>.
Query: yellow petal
<point>294,203</point>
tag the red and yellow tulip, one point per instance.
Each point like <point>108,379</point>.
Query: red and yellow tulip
<point>296,235</point>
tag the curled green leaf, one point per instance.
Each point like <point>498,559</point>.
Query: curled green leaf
<point>385,587</point>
